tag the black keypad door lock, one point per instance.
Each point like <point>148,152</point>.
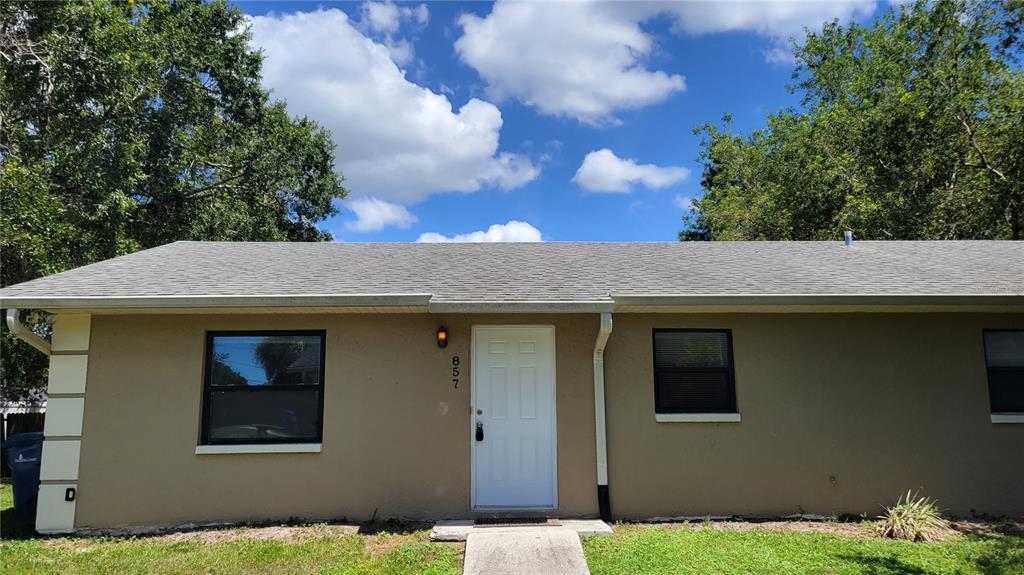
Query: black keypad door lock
<point>479,431</point>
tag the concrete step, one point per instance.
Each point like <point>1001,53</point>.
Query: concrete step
<point>459,529</point>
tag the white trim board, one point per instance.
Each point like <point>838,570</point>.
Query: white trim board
<point>61,457</point>
<point>55,513</point>
<point>67,374</point>
<point>64,416</point>
<point>71,333</point>
<point>259,448</point>
<point>697,417</point>
<point>1008,418</point>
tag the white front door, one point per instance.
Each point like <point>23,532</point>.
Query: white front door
<point>513,423</point>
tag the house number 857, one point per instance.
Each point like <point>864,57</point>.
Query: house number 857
<point>455,371</point>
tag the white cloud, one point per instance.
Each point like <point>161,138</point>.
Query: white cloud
<point>777,20</point>
<point>587,60</point>
<point>381,16</point>
<point>401,51</point>
<point>603,171</point>
<point>574,59</point>
<point>373,214</point>
<point>779,52</point>
<point>422,14</point>
<point>396,141</point>
<point>684,203</point>
<point>774,18</point>
<point>513,231</point>
<point>387,17</point>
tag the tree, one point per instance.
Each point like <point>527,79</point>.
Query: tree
<point>223,374</point>
<point>126,125</point>
<point>910,128</point>
<point>276,356</point>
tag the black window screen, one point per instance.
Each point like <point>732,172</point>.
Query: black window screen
<point>1004,358</point>
<point>693,371</point>
<point>263,387</point>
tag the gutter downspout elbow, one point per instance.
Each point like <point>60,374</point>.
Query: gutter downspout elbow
<point>603,501</point>
<point>22,332</point>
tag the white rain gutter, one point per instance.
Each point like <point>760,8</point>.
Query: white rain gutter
<point>22,332</point>
<point>603,501</point>
<point>521,306</point>
<point>746,299</point>
<point>221,301</point>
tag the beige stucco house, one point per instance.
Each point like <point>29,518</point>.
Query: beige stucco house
<point>208,382</point>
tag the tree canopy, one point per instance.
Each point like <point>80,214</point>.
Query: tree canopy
<point>910,128</point>
<point>126,125</point>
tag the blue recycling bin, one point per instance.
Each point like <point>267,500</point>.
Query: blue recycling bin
<point>24,454</point>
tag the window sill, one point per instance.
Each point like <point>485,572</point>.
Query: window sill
<point>1008,418</point>
<point>264,448</point>
<point>697,417</point>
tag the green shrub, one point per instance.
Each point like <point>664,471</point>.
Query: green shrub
<point>913,518</point>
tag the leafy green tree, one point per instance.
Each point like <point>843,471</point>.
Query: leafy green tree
<point>276,356</point>
<point>224,374</point>
<point>126,125</point>
<point>911,128</point>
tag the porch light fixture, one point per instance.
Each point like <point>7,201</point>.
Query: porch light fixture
<point>442,337</point>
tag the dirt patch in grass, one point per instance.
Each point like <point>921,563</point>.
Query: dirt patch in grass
<point>857,529</point>
<point>292,530</point>
<point>383,544</point>
<point>270,533</point>
<point>380,538</point>
<point>1009,526</point>
<point>283,533</point>
<point>861,529</point>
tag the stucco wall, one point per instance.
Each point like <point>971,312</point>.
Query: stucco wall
<point>396,431</point>
<point>840,413</point>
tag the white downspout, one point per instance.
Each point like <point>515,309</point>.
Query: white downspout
<point>603,502</point>
<point>24,333</point>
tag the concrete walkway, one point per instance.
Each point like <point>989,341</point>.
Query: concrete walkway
<point>524,551</point>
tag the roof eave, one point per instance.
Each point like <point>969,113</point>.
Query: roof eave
<point>218,301</point>
<point>631,303</point>
<point>520,306</point>
<point>823,302</point>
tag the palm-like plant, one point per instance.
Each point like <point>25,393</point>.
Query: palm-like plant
<point>913,518</point>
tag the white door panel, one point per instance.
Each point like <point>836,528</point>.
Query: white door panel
<point>514,403</point>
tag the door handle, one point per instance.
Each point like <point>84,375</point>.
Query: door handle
<point>479,431</point>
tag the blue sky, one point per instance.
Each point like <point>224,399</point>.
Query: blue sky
<point>553,121</point>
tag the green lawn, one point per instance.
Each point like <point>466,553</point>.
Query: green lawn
<point>641,549</point>
<point>321,550</point>
<point>633,550</point>
<point>334,555</point>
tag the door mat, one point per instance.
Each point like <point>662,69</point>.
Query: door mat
<point>516,522</point>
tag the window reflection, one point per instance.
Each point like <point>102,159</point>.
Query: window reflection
<point>263,387</point>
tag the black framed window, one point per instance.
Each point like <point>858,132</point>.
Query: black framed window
<point>693,371</point>
<point>263,387</point>
<point>1004,358</point>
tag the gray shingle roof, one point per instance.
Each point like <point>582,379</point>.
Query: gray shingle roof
<point>557,272</point>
